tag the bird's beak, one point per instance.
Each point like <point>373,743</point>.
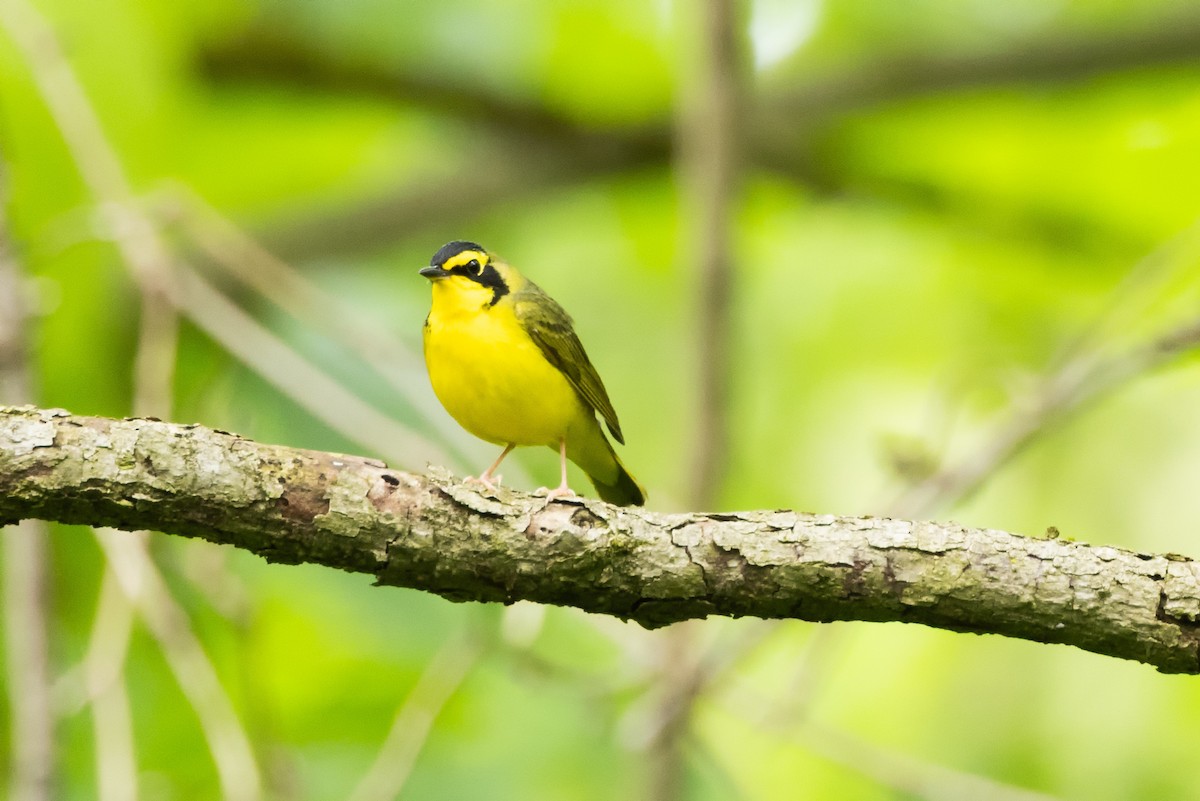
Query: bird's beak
<point>434,273</point>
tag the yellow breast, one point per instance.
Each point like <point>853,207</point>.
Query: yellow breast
<point>492,378</point>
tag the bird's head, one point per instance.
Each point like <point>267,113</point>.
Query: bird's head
<point>468,273</point>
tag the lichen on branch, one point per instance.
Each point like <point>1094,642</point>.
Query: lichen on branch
<point>467,543</point>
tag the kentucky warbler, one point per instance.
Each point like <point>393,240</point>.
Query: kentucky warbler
<point>507,365</point>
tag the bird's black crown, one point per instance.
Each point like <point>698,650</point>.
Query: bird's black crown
<point>452,249</point>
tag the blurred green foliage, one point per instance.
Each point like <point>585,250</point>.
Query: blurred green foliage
<point>905,271</point>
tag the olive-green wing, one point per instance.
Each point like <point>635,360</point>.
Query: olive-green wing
<point>549,325</point>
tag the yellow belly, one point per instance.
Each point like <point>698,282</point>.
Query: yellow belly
<point>493,379</point>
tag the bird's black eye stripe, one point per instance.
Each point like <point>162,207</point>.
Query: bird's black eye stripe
<point>491,278</point>
<point>484,275</point>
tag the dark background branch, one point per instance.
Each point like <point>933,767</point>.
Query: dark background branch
<point>525,148</point>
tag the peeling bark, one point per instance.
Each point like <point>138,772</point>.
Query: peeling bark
<point>467,543</point>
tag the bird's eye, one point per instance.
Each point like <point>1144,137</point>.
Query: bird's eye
<point>473,267</point>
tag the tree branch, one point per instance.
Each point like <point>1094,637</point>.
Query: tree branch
<point>442,536</point>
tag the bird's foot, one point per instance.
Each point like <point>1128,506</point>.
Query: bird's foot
<point>491,482</point>
<point>561,491</point>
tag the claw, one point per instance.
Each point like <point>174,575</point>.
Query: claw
<point>557,492</point>
<point>485,480</point>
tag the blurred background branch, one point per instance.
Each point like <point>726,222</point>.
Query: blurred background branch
<point>415,718</point>
<point>709,138</point>
<point>1094,367</point>
<point>26,577</point>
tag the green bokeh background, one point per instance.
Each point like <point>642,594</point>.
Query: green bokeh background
<point>903,278</point>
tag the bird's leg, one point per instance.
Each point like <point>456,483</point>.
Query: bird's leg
<point>486,478</point>
<point>562,490</point>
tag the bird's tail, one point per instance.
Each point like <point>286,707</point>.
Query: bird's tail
<point>590,449</point>
<point>623,490</point>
